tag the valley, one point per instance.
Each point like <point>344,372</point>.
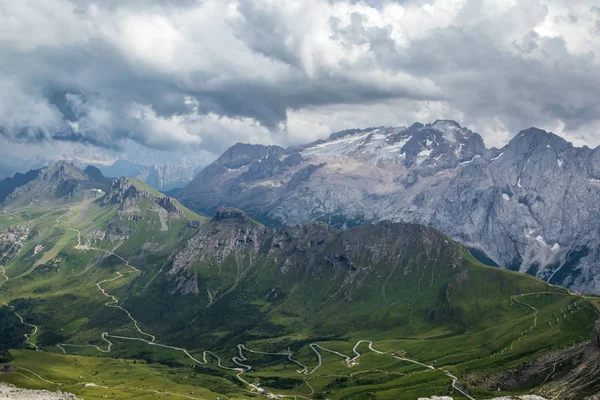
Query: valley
<point>300,200</point>
<point>228,308</point>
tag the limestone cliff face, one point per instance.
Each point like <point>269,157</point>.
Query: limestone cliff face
<point>232,244</point>
<point>529,206</point>
<point>230,231</point>
<point>125,193</point>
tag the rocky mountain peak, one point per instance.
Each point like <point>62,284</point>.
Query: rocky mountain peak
<point>7,185</point>
<point>128,192</point>
<point>439,123</point>
<point>93,172</point>
<point>243,154</point>
<point>531,205</point>
<point>415,127</point>
<point>122,189</point>
<point>60,180</point>
<point>448,127</point>
<point>441,145</point>
<point>62,171</point>
<point>351,132</point>
<point>532,138</point>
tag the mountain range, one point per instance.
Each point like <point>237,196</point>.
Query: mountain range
<point>155,169</point>
<point>531,206</point>
<point>164,177</point>
<point>97,269</point>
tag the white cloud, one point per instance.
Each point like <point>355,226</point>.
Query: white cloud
<point>203,75</point>
<point>25,113</point>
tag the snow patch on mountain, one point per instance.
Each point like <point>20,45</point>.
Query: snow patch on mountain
<point>497,157</point>
<point>513,203</point>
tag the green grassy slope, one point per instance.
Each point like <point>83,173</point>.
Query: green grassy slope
<point>411,291</point>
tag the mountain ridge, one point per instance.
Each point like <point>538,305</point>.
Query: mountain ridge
<point>232,300</point>
<point>512,203</point>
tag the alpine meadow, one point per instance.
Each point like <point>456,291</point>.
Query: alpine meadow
<point>232,200</point>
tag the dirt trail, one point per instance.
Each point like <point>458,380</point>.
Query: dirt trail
<point>237,360</point>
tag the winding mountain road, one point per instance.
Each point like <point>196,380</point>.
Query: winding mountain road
<point>239,360</point>
<point>513,300</point>
<point>413,361</point>
<point>446,372</point>
<point>287,353</point>
<point>455,386</point>
<point>370,348</point>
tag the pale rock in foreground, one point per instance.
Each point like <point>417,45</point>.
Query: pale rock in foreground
<point>14,393</point>
<point>525,397</point>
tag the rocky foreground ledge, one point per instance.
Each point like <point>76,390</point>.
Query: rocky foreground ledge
<point>14,393</point>
<point>524,397</point>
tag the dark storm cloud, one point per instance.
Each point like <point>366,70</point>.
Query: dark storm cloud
<point>540,81</point>
<point>202,74</point>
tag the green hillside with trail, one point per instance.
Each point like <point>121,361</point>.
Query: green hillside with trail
<point>125,293</point>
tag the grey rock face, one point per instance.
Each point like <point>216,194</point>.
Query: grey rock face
<point>164,177</point>
<point>304,249</point>
<point>223,181</point>
<point>530,206</point>
<point>124,192</point>
<point>7,185</point>
<point>229,213</point>
<point>137,204</point>
<point>11,392</point>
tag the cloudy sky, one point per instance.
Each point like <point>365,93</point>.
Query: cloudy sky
<point>195,76</point>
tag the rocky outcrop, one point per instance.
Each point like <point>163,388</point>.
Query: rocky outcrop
<point>229,213</point>
<point>139,204</point>
<point>168,205</point>
<point>529,206</point>
<point>229,232</point>
<point>125,193</point>
<point>303,175</point>
<point>11,392</point>
<point>242,154</point>
<point>11,242</point>
<point>233,237</point>
<point>123,190</point>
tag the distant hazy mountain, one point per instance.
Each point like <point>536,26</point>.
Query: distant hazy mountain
<point>162,170</point>
<point>163,177</point>
<point>530,206</point>
<point>7,185</point>
<point>11,165</point>
<point>58,181</point>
